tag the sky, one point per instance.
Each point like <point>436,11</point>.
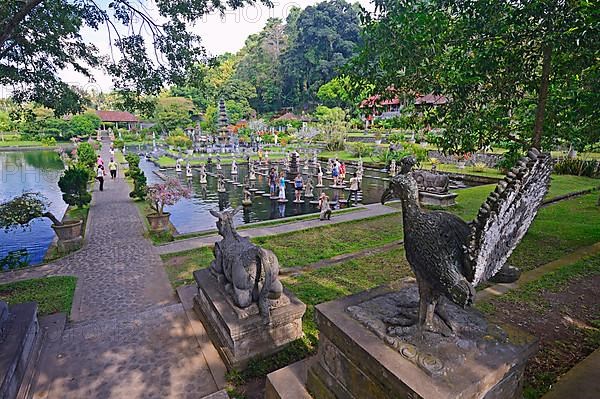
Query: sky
<point>219,35</point>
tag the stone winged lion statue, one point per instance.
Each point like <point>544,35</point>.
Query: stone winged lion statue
<point>248,273</point>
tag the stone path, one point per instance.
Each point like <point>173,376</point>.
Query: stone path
<point>197,242</point>
<point>129,336</point>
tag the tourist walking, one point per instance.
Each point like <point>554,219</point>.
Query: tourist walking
<point>112,167</point>
<point>324,207</point>
<point>298,186</point>
<point>282,186</point>
<point>342,173</point>
<point>100,176</point>
<point>354,187</point>
<point>99,160</point>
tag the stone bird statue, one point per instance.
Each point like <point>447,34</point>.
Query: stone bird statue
<point>450,257</point>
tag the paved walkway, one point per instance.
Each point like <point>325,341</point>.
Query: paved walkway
<point>130,337</point>
<point>197,242</point>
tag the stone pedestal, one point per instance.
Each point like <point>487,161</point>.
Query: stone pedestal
<point>427,198</point>
<point>364,354</point>
<point>19,331</point>
<point>240,334</point>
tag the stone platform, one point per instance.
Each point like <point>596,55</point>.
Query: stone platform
<point>427,198</point>
<point>19,330</point>
<point>240,334</point>
<point>364,354</point>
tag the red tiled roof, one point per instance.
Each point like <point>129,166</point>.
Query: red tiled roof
<point>431,99</point>
<point>117,116</point>
<point>288,116</point>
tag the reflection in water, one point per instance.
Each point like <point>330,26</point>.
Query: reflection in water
<point>31,171</point>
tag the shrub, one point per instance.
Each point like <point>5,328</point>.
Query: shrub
<point>360,149</point>
<point>74,183</point>
<point>85,124</point>
<point>578,167</point>
<point>137,175</point>
<point>86,156</point>
<point>49,141</point>
<point>183,142</point>
<point>119,144</point>
<point>479,167</point>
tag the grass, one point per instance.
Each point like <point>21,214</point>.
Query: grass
<point>324,285</point>
<point>52,294</point>
<point>168,162</point>
<point>558,230</point>
<point>21,143</point>
<point>181,266</point>
<point>304,247</point>
<point>554,281</point>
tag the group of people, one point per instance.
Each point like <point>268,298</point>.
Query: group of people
<point>338,172</point>
<point>101,172</point>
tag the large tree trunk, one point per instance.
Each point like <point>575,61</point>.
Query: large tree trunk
<point>8,25</point>
<point>538,127</point>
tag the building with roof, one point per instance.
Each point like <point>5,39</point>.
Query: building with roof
<point>378,107</point>
<point>120,119</point>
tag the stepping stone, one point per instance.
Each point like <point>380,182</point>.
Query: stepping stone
<point>282,201</point>
<point>314,202</point>
<point>267,195</point>
<point>253,190</point>
<point>259,192</point>
<point>298,202</point>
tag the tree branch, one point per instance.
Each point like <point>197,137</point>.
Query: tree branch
<point>11,23</point>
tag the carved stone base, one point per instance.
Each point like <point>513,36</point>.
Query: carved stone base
<point>369,359</point>
<point>19,331</point>
<point>240,334</point>
<point>427,198</point>
<point>66,246</point>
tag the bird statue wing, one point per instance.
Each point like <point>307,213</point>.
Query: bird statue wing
<point>506,215</point>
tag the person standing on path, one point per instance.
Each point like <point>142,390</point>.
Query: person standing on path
<point>324,207</point>
<point>100,176</point>
<point>354,187</point>
<point>112,167</point>
<point>272,181</point>
<point>100,161</point>
<point>298,185</point>
<point>282,186</point>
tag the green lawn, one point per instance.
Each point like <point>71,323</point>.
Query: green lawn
<point>21,143</point>
<point>324,285</point>
<point>52,294</point>
<point>300,248</point>
<point>558,230</point>
<point>181,266</point>
<point>168,162</point>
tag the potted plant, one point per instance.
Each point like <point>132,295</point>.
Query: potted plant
<point>161,195</point>
<point>73,184</point>
<point>22,210</point>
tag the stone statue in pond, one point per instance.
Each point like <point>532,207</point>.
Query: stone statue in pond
<point>450,257</point>
<point>250,274</point>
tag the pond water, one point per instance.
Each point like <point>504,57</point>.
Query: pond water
<point>31,171</point>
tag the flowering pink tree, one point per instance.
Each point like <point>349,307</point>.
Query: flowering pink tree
<point>167,193</point>
<point>22,210</point>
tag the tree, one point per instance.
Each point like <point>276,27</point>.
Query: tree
<point>39,38</point>
<point>85,124</point>
<point>509,69</point>
<point>326,37</point>
<point>174,112</point>
<point>333,126</point>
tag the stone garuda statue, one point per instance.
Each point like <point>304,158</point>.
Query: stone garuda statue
<point>248,273</point>
<point>450,257</point>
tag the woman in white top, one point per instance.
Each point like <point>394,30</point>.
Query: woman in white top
<point>354,187</point>
<point>100,176</point>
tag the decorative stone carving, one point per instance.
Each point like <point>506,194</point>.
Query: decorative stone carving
<point>450,257</point>
<point>249,273</point>
<point>241,302</point>
<point>431,182</point>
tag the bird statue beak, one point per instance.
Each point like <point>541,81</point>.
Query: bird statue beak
<point>386,196</point>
